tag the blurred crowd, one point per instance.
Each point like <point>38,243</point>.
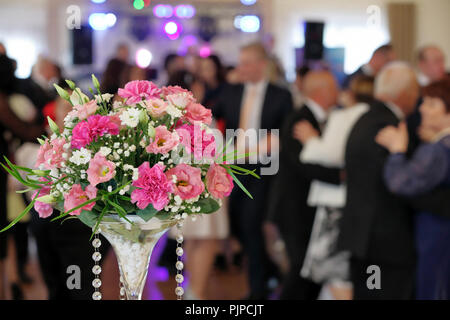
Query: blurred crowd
<point>360,206</point>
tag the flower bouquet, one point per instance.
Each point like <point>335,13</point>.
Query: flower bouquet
<point>130,166</point>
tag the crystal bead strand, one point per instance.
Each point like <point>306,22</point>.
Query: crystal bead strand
<point>96,270</point>
<point>179,291</point>
<point>122,289</point>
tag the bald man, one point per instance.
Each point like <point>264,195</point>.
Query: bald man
<point>431,65</point>
<point>288,204</point>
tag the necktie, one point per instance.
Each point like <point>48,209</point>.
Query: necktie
<point>248,106</point>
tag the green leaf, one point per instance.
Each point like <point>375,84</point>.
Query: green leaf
<point>208,205</point>
<point>147,213</point>
<point>89,218</point>
<point>22,214</point>
<point>239,183</point>
<point>243,171</point>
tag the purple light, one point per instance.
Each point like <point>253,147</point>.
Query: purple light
<point>163,11</point>
<point>204,52</point>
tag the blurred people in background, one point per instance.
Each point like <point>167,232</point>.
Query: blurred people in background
<point>377,226</point>
<point>172,64</point>
<point>324,264</point>
<point>255,104</point>
<point>428,168</point>
<point>430,65</point>
<point>111,77</point>
<point>130,73</point>
<point>288,207</point>
<point>380,57</point>
<point>10,122</point>
<point>123,52</point>
<point>297,86</point>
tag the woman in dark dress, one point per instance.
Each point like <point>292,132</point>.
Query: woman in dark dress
<point>427,169</point>
<point>9,122</point>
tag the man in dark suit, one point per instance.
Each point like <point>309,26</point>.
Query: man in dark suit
<point>377,227</point>
<point>288,204</point>
<point>254,105</point>
<point>380,57</point>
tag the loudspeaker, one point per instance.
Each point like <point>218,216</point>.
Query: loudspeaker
<point>207,28</point>
<point>82,45</point>
<point>313,40</point>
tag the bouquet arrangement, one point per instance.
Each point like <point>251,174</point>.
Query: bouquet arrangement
<point>149,152</point>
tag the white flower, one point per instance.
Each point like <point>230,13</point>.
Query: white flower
<point>126,153</point>
<point>106,97</point>
<point>132,148</point>
<point>119,151</point>
<point>105,151</point>
<point>174,111</point>
<point>81,156</point>
<point>178,200</point>
<point>130,117</point>
<point>116,145</point>
<point>116,156</point>
<point>109,188</point>
<point>135,174</point>
<point>127,167</point>
<point>76,95</point>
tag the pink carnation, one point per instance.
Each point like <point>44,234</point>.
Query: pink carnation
<point>189,182</point>
<point>219,182</point>
<point>138,90</point>
<point>197,141</point>
<point>196,112</point>
<point>152,187</point>
<point>44,210</point>
<point>100,170</point>
<point>50,154</point>
<point>96,126</point>
<point>163,142</point>
<point>156,107</point>
<point>85,110</point>
<point>77,196</point>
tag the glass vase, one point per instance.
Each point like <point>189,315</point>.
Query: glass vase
<point>133,244</point>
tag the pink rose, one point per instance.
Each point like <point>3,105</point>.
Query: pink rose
<point>138,90</point>
<point>44,210</point>
<point>85,110</point>
<point>100,170</point>
<point>189,182</point>
<point>156,107</point>
<point>167,91</point>
<point>197,141</point>
<point>181,100</point>
<point>50,154</point>
<point>163,142</point>
<point>77,196</point>
<point>152,187</point>
<point>219,182</point>
<point>196,112</point>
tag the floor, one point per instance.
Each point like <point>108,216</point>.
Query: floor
<point>223,285</point>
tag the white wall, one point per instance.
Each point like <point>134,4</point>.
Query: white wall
<point>347,25</point>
